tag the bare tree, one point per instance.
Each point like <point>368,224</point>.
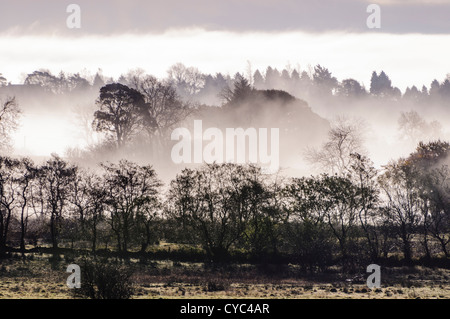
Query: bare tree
<point>364,175</point>
<point>130,190</point>
<point>341,204</point>
<point>8,196</point>
<point>9,116</point>
<point>83,118</point>
<point>414,128</point>
<point>26,183</point>
<point>96,207</point>
<point>344,138</point>
<point>402,208</point>
<point>430,174</point>
<point>163,108</point>
<point>56,178</point>
<point>88,197</point>
<point>187,80</point>
<point>436,208</point>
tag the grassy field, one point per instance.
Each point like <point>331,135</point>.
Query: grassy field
<point>38,278</point>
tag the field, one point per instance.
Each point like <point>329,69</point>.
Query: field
<point>38,277</point>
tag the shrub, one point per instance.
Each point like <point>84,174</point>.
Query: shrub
<point>102,279</point>
<point>217,285</point>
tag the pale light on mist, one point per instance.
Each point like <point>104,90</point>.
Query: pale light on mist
<point>42,135</point>
<point>406,58</point>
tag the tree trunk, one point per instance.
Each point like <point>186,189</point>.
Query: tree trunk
<point>94,237</point>
<point>4,227</point>
<point>125,246</point>
<point>406,249</point>
<point>425,236</point>
<point>444,246</point>
<point>2,237</point>
<point>425,244</point>
<point>22,234</point>
<point>119,242</point>
<point>147,241</point>
<point>53,232</point>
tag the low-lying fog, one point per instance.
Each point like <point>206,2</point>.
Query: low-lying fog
<point>390,123</point>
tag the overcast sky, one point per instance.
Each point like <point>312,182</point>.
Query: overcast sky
<point>412,45</point>
<point>118,16</point>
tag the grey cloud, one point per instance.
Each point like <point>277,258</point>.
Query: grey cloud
<point>115,16</point>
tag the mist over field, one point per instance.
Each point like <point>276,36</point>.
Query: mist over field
<point>211,149</point>
<point>58,111</point>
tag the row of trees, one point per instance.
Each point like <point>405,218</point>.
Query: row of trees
<point>316,82</point>
<point>361,213</point>
<point>319,81</point>
<point>74,202</point>
<point>191,84</point>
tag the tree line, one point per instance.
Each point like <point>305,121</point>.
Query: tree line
<point>357,215</point>
<point>191,84</point>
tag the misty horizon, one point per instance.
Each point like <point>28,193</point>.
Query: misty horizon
<point>208,50</point>
<point>270,149</point>
<point>69,135</point>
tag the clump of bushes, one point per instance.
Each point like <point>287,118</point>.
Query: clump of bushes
<point>104,279</point>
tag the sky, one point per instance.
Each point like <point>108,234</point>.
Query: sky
<point>221,36</point>
<point>412,45</point>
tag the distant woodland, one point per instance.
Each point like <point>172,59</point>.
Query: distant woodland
<point>121,193</point>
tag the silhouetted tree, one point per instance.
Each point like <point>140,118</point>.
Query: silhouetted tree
<point>241,91</point>
<point>163,109</point>
<point>55,177</point>
<point>402,208</point>
<point>364,175</point>
<point>8,197</point>
<point>26,183</point>
<point>434,89</point>
<point>3,80</point>
<point>44,79</point>
<point>381,85</point>
<point>412,94</point>
<point>119,114</point>
<point>258,80</point>
<point>325,83</point>
<point>209,94</point>
<point>307,231</point>
<point>213,203</point>
<point>285,79</point>
<point>272,78</point>
<point>131,190</point>
<point>444,90</point>
<point>262,201</point>
<point>341,203</point>
<point>351,88</point>
<point>99,80</point>
<point>295,80</point>
<point>187,80</point>
<point>77,83</point>
<point>424,91</point>
<point>431,179</point>
<point>89,202</point>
